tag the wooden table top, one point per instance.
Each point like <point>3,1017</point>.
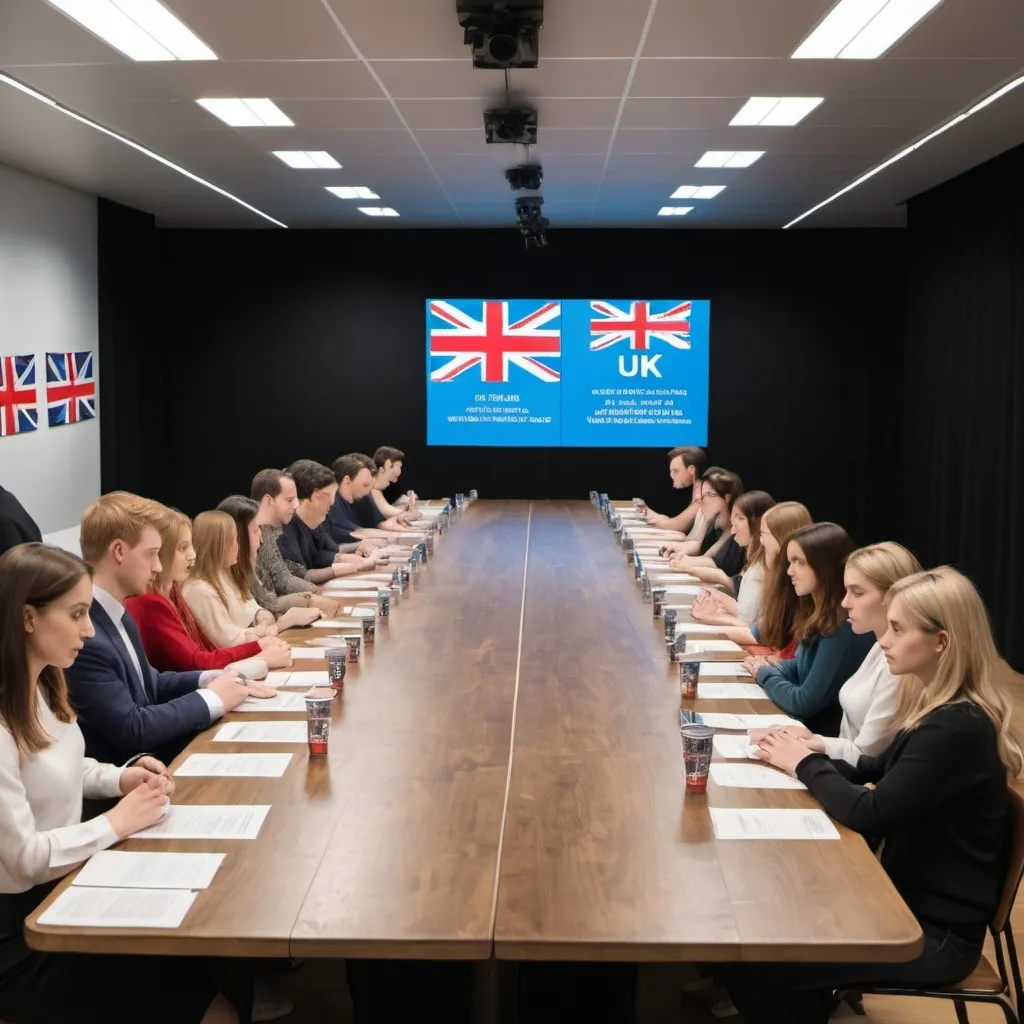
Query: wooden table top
<point>393,845</point>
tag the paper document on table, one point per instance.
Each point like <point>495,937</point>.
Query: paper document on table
<point>208,821</point>
<point>252,766</point>
<point>369,595</point>
<point>731,691</point>
<point>121,869</point>
<point>350,583</point>
<point>704,647</point>
<point>733,746</point>
<point>658,577</point>
<point>262,732</point>
<point>277,679</point>
<point>279,702</point>
<point>83,907</point>
<point>717,668</point>
<point>700,628</point>
<point>718,720</point>
<point>307,654</point>
<point>753,776</point>
<point>691,591</point>
<point>304,680</point>
<point>772,823</point>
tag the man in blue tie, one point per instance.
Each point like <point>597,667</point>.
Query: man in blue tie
<point>124,706</point>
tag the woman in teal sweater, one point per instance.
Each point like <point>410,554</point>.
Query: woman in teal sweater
<point>807,687</point>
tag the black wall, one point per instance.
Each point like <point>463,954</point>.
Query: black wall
<point>275,345</point>
<point>964,402</point>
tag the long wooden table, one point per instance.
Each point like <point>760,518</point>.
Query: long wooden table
<point>505,778</point>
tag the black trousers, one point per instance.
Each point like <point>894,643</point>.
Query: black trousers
<point>396,991</point>
<point>801,993</point>
<point>577,993</point>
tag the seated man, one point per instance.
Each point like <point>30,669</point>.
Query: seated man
<point>686,467</point>
<point>308,549</point>
<point>354,515</point>
<point>388,468</point>
<point>16,525</point>
<point>124,706</point>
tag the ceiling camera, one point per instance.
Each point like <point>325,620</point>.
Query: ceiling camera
<point>502,33</point>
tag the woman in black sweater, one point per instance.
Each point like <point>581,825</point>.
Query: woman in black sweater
<point>937,796</point>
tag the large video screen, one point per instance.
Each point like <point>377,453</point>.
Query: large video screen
<point>579,373</point>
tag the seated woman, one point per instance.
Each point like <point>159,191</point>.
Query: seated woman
<point>289,609</point>
<point>939,801</point>
<point>775,626</point>
<point>871,697</point>
<point>721,490</point>
<point>225,610</point>
<point>748,585</point>
<point>170,634</point>
<point>829,652</point>
<point>44,774</point>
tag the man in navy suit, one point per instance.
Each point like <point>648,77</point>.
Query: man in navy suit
<point>125,707</point>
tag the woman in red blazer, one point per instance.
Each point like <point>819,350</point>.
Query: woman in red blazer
<point>170,634</point>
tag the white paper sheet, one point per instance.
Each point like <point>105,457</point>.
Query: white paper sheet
<point>369,594</point>
<point>287,701</point>
<point>252,766</point>
<point>719,720</point>
<point>731,691</point>
<point>276,679</point>
<point>305,680</point>
<point>209,821</point>
<point>82,907</point>
<point>307,654</point>
<point>359,584</point>
<point>700,629</point>
<point>658,577</point>
<point>772,823</point>
<point>720,668</point>
<point>683,589</point>
<point>727,745</point>
<point>262,732</point>
<point>701,647</point>
<point>752,776</point>
<point>121,869</point>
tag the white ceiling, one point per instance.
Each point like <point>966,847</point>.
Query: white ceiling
<point>387,88</point>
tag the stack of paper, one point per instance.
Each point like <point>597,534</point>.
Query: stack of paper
<point>727,721</point>
<point>752,776</point>
<point>771,823</point>
<point>731,691</point>
<point>262,732</point>
<point>129,870</point>
<point>208,821</point>
<point>253,766</point>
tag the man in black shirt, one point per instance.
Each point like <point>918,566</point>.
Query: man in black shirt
<point>354,515</point>
<point>16,525</point>
<point>307,547</point>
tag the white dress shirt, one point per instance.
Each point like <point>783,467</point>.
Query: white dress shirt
<point>117,612</point>
<point>750,599</point>
<point>869,699</point>
<point>42,835</point>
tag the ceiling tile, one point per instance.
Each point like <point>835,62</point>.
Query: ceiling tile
<point>977,28</point>
<point>32,32</point>
<point>593,28</point>
<point>280,80</point>
<point>688,76</point>
<point>678,113</point>
<point>335,114</point>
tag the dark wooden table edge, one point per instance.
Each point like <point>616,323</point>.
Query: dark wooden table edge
<point>617,952</point>
<point>172,942</point>
<point>835,952</point>
<point>391,949</point>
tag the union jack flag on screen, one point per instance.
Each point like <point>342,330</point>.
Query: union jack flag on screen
<point>479,336</point>
<point>18,412</point>
<point>639,326</point>
<point>70,387</point>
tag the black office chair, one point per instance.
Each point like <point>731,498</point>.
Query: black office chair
<point>986,984</point>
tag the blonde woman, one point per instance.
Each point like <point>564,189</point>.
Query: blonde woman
<point>870,698</point>
<point>939,798</point>
<point>223,605</point>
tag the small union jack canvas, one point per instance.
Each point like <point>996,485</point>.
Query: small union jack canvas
<point>639,325</point>
<point>18,412</point>
<point>70,387</point>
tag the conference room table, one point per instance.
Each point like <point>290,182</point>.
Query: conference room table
<point>504,779</point>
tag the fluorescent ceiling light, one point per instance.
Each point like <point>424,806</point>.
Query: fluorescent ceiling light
<point>674,211</point>
<point>7,80</point>
<point>140,29</point>
<point>863,29</point>
<point>378,211</point>
<point>776,111</point>
<point>980,105</point>
<point>250,113</point>
<point>311,160</point>
<point>729,158</point>
<point>696,192</point>
<point>352,192</point>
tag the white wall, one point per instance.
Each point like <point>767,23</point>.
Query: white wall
<point>48,303</point>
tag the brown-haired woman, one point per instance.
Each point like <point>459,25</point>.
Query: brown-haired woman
<point>721,490</point>
<point>45,596</point>
<point>829,652</point>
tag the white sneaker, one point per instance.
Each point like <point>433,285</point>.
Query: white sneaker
<point>268,1002</point>
<point>723,1008</point>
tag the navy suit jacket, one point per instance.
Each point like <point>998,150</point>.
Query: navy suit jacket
<point>121,717</point>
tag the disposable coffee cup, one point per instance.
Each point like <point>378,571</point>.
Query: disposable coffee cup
<point>318,722</point>
<point>336,658</point>
<point>354,645</point>
<point>697,747</point>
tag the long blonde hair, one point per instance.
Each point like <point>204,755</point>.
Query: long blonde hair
<point>944,600</point>
<point>783,610</point>
<point>170,530</point>
<point>212,533</point>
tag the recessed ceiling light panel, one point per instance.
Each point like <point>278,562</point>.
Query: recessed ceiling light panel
<point>352,192</point>
<point>674,211</point>
<point>247,113</point>
<point>862,29</point>
<point>729,158</point>
<point>307,160</point>
<point>776,111</point>
<point>378,211</point>
<point>697,191</point>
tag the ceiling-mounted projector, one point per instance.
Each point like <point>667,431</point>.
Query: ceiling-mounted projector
<point>503,34</point>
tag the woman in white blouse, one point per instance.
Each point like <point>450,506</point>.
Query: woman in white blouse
<point>223,604</point>
<point>871,696</point>
<point>45,596</point>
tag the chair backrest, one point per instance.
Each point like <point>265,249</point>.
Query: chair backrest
<point>1014,856</point>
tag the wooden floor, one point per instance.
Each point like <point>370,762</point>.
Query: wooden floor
<point>318,988</point>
